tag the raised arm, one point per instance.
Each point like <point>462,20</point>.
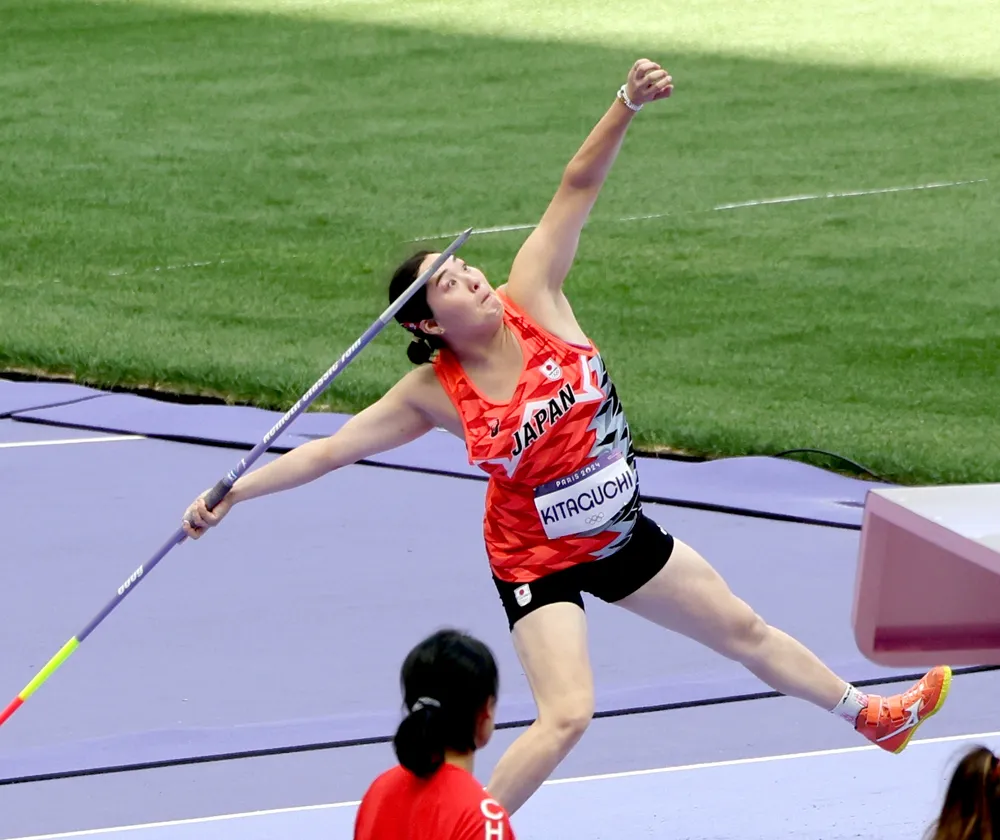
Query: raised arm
<point>547,255</point>
<point>394,420</point>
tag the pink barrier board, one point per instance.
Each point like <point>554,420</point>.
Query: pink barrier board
<point>927,589</point>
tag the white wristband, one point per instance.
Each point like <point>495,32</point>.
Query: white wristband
<point>628,103</point>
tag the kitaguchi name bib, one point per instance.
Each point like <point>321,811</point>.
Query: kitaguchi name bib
<point>588,499</point>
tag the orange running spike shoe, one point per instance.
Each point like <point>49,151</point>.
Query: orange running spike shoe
<point>889,722</point>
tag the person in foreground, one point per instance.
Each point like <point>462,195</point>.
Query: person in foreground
<point>971,809</point>
<point>450,686</point>
<point>512,373</point>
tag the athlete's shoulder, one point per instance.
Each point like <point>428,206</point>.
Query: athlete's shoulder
<point>476,813</point>
<point>382,797</point>
<point>458,787</point>
<point>460,782</point>
<point>388,784</point>
<point>422,385</point>
<point>423,390</point>
<point>420,378</point>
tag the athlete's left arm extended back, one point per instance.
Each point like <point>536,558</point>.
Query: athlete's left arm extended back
<point>541,266</point>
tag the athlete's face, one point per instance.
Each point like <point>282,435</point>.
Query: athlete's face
<point>461,298</point>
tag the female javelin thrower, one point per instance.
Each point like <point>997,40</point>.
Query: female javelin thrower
<point>521,383</point>
<point>449,684</point>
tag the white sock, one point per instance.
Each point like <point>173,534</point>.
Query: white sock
<point>852,704</point>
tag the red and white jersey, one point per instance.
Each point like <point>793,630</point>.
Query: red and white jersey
<point>450,805</point>
<point>563,484</point>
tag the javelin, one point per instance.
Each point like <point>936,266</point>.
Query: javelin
<point>224,485</point>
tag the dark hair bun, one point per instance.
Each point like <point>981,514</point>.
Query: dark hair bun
<point>419,351</point>
<point>419,742</point>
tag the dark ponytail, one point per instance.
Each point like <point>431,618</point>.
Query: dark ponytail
<point>416,309</point>
<point>447,680</point>
<point>971,809</point>
<point>419,741</point>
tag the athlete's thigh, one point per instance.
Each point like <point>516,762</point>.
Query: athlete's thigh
<point>691,598</point>
<point>552,644</point>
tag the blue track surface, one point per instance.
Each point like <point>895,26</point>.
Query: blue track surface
<point>226,648</point>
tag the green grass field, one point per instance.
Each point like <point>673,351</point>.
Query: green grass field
<point>297,147</point>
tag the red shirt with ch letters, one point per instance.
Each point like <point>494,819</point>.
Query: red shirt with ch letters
<point>450,805</point>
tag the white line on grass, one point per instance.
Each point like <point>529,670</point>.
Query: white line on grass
<point>170,267</point>
<point>108,439</point>
<point>736,762</point>
<point>760,202</point>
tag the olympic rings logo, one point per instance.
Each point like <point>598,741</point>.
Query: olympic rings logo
<point>594,519</point>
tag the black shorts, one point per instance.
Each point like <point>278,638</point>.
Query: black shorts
<point>610,578</point>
